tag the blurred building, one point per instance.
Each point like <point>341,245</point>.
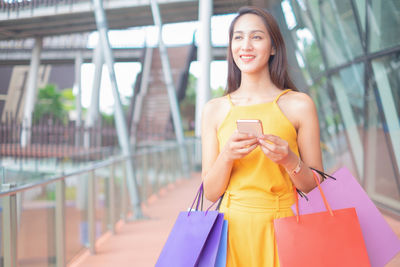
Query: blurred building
<point>349,54</point>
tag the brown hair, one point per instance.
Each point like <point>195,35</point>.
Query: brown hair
<point>277,63</point>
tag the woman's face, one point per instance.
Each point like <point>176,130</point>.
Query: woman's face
<point>251,44</point>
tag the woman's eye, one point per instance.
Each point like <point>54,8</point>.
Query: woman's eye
<point>237,37</point>
<point>257,37</point>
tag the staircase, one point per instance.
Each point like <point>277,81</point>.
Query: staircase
<point>155,122</point>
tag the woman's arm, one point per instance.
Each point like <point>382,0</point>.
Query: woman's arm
<point>301,111</point>
<point>308,142</point>
<point>217,166</point>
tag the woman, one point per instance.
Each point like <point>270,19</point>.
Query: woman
<point>257,174</point>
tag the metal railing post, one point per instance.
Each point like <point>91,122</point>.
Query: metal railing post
<point>92,212</point>
<point>60,223</point>
<point>111,199</point>
<point>124,192</point>
<point>146,177</point>
<point>10,230</point>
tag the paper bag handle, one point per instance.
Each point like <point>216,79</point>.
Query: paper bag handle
<point>328,207</point>
<point>199,199</point>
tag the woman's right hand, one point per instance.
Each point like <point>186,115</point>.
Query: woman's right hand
<point>239,145</point>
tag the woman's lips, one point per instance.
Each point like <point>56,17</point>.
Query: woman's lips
<point>247,58</point>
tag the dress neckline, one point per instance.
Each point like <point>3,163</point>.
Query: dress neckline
<point>258,104</point>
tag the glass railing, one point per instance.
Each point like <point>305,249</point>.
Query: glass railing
<point>49,223</point>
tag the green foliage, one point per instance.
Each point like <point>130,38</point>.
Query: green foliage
<point>108,119</point>
<point>68,98</point>
<point>313,57</point>
<point>190,96</point>
<point>50,105</point>
<point>217,92</point>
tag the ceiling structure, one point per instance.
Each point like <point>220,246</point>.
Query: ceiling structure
<point>38,18</point>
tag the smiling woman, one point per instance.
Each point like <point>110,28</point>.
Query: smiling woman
<point>256,175</point>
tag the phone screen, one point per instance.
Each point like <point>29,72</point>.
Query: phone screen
<point>253,127</point>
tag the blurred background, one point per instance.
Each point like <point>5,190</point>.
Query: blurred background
<point>100,103</point>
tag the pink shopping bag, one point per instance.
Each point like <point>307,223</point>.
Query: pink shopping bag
<point>345,192</point>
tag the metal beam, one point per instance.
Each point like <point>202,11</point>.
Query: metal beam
<point>67,55</point>
<point>79,17</point>
<point>173,101</point>
<point>120,121</point>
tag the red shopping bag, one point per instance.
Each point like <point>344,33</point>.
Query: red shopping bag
<point>330,238</point>
<point>344,191</point>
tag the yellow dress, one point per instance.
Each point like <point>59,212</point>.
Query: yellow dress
<point>259,190</point>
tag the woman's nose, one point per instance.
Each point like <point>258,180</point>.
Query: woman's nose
<point>246,44</point>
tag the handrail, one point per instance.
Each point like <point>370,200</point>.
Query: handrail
<point>50,180</point>
<point>93,166</point>
<point>94,197</point>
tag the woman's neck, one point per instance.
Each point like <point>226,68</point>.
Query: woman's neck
<point>257,84</point>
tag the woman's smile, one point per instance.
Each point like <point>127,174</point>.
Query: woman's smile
<point>247,58</point>
<point>251,44</point>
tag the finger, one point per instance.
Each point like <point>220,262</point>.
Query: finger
<point>270,154</point>
<point>248,142</point>
<point>271,146</point>
<point>274,139</point>
<point>247,150</point>
<point>269,151</point>
<point>241,136</point>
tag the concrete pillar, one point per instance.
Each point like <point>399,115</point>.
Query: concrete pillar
<point>94,110</point>
<point>203,93</point>
<point>204,57</point>
<point>122,131</point>
<point>30,97</point>
<point>77,88</point>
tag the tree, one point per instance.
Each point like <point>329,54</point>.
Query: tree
<point>50,105</point>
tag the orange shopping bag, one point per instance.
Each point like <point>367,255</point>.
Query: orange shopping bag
<point>330,238</point>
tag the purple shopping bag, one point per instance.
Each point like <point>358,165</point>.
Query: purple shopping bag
<point>345,192</point>
<point>194,239</point>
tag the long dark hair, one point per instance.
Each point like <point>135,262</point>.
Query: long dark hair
<point>277,63</point>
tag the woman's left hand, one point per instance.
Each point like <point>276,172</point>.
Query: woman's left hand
<point>276,149</point>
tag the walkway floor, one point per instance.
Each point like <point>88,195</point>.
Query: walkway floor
<point>139,243</point>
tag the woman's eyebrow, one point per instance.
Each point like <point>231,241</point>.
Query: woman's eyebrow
<point>253,31</point>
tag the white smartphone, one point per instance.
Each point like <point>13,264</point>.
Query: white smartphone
<point>253,127</point>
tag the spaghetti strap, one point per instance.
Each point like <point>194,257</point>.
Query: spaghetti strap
<point>230,100</point>
<point>282,93</point>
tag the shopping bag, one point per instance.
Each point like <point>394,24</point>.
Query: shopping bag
<point>194,239</point>
<point>324,239</point>
<point>343,192</point>
<point>223,246</point>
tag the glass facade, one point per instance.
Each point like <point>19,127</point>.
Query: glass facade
<point>349,52</point>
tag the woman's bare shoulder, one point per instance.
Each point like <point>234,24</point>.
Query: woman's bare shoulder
<point>297,107</point>
<point>298,101</point>
<point>215,110</point>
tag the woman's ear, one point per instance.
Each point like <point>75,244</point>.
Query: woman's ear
<point>273,50</point>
